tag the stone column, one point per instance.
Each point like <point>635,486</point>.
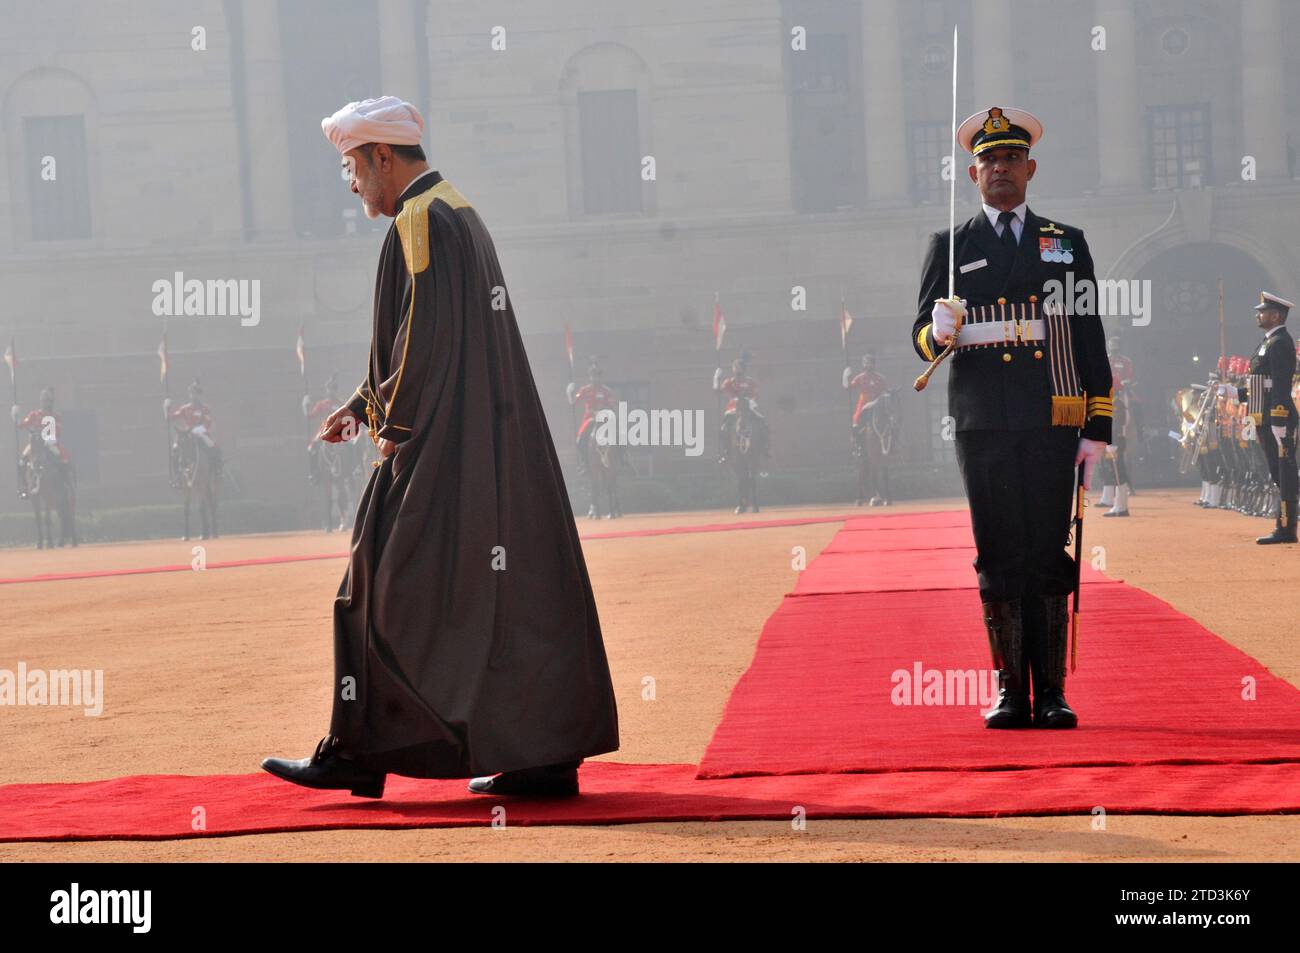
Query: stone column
<point>989,51</point>
<point>1119,127</point>
<point>882,96</point>
<point>1263,112</point>
<point>268,140</point>
<point>398,50</point>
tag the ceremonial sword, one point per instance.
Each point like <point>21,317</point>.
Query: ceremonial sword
<point>1078,570</point>
<point>920,382</point>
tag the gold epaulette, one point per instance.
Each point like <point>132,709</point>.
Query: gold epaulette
<point>413,223</point>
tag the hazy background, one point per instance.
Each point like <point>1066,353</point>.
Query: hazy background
<point>774,169</point>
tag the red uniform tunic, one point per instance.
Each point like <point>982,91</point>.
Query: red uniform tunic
<point>593,398</point>
<point>35,422</point>
<point>737,387</point>
<point>869,385</point>
<point>190,415</point>
<point>1121,371</point>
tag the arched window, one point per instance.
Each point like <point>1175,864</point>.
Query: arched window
<point>606,92</point>
<point>51,124</point>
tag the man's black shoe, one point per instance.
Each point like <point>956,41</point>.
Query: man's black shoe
<point>327,769</point>
<point>554,780</point>
<point>1277,536</point>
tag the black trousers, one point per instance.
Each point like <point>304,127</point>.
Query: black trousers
<point>1282,467</point>
<point>1020,485</point>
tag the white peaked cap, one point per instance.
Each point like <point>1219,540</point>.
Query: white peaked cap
<point>1269,300</point>
<point>386,119</point>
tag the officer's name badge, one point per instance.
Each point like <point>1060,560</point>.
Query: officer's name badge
<point>1055,249</point>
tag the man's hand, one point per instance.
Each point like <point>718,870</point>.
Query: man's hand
<point>1279,433</point>
<point>386,447</point>
<point>946,316</point>
<point>1089,454</point>
<point>342,425</point>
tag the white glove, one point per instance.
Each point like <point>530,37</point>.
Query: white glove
<point>1279,433</point>
<point>1227,390</point>
<point>945,315</point>
<point>570,390</point>
<point>845,379</point>
<point>1089,454</point>
<point>15,413</point>
<point>167,406</point>
<point>306,404</point>
<point>717,378</point>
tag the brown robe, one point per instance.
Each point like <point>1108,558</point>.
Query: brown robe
<point>466,640</point>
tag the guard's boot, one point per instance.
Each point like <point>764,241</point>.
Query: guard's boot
<point>1107,495</point>
<point>1121,502</point>
<point>1285,528</point>
<point>1007,643</point>
<point>1048,643</point>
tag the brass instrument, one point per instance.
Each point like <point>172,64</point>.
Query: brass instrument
<point>1197,419</point>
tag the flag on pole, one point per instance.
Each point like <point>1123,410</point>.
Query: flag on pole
<point>568,344</point>
<point>162,358</point>
<point>719,323</point>
<point>11,358</point>
<point>301,350</point>
<point>846,322</point>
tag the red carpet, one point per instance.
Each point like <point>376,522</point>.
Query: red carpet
<point>160,807</point>
<point>813,724</point>
<point>1153,686</point>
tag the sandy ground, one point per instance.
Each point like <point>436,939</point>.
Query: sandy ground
<point>208,672</point>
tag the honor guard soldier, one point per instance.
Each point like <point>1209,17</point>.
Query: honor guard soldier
<point>1030,391</point>
<point>739,386</point>
<point>592,397</point>
<point>867,385</point>
<point>45,425</point>
<point>1270,405</point>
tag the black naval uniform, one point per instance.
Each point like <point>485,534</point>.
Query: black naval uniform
<point>1275,363</point>
<point>1017,466</point>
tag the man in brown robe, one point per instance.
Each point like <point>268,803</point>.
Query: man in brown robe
<point>466,640</point>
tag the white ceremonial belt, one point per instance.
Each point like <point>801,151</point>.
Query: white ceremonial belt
<point>999,332</point>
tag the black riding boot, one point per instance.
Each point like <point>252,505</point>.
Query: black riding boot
<point>1048,640</point>
<point>1007,643</point>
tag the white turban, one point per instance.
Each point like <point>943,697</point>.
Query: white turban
<point>386,119</point>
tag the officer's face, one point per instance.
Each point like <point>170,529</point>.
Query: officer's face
<point>1269,318</point>
<point>1003,176</point>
